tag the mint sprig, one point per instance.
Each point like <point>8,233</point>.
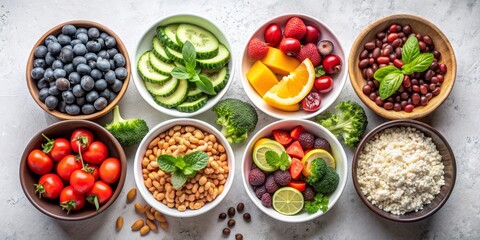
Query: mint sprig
<point>278,161</point>
<point>319,202</point>
<point>182,167</point>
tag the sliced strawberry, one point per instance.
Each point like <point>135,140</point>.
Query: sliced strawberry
<point>295,150</point>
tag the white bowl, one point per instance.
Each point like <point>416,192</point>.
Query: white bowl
<point>315,129</point>
<point>145,44</point>
<point>153,133</point>
<point>327,99</point>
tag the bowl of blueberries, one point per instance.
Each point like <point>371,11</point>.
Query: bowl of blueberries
<point>78,70</point>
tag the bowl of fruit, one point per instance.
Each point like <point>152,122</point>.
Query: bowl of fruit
<point>184,65</point>
<point>78,70</point>
<point>73,170</point>
<point>294,170</point>
<point>293,66</point>
<point>402,67</point>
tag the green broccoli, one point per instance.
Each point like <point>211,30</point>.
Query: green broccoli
<point>237,119</point>
<point>128,132</point>
<point>317,169</point>
<point>350,122</point>
<point>329,182</point>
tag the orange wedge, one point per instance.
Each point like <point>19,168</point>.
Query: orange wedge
<point>292,88</point>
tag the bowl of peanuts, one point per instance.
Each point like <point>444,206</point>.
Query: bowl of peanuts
<point>184,167</point>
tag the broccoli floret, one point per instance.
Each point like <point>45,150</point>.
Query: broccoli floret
<point>317,169</point>
<point>349,123</point>
<point>237,119</point>
<point>329,182</point>
<point>127,131</point>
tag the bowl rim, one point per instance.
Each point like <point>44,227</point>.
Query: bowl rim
<point>285,218</point>
<point>400,123</point>
<point>281,114</point>
<point>390,114</point>
<point>145,193</point>
<point>121,181</point>
<point>120,47</point>
<point>137,80</point>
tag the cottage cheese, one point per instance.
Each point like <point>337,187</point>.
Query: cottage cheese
<point>400,170</point>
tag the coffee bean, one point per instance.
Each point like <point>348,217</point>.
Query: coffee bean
<point>240,207</point>
<point>226,231</point>
<point>222,216</point>
<point>247,217</point>
<point>231,223</point>
<point>231,211</point>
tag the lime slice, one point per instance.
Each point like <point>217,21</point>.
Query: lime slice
<point>287,201</point>
<point>314,154</point>
<point>262,141</point>
<point>259,154</point>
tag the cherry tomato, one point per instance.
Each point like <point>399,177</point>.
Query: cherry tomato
<point>39,162</point>
<point>71,201</point>
<point>312,102</point>
<point>56,148</point>
<point>49,186</point>
<point>110,170</point>
<point>295,133</point>
<point>81,139</point>
<point>99,194</point>
<point>67,166</point>
<point>81,181</point>
<point>332,64</point>
<point>296,167</point>
<point>324,84</point>
<point>96,171</point>
<point>273,35</point>
<point>295,150</point>
<point>312,35</point>
<point>282,137</point>
<point>300,186</point>
<point>290,46</point>
<point>96,153</point>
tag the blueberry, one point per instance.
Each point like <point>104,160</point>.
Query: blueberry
<point>68,68</point>
<point>119,60</point>
<point>68,97</point>
<point>103,54</point>
<point>112,97</point>
<point>92,96</point>
<point>62,84</point>
<point>90,56</point>
<point>104,35</point>
<point>93,46</point>
<point>39,62</point>
<point>50,39</point>
<point>51,102</point>
<point>112,51</point>
<point>110,77</point>
<point>121,73</point>
<point>83,69</point>
<point>66,55</point>
<point>57,64</point>
<point>87,83</point>
<point>116,86</point>
<point>75,42</point>
<point>112,64</point>
<point>78,60</point>
<point>100,84</point>
<point>61,106</point>
<point>80,30</point>
<point>51,84</point>
<point>59,73</point>
<point>79,50</point>
<point>82,37</point>
<point>100,103</point>
<point>105,93</point>
<point>110,42</point>
<point>93,33</point>
<point>74,78</point>
<point>101,42</point>
<point>96,74</point>
<point>49,58</point>
<point>72,109</point>
<point>48,75</point>
<point>69,30</point>
<point>42,83</point>
<point>43,94</point>
<point>77,91</point>
<point>80,101</point>
<point>88,109</point>
<point>103,64</point>
<point>54,48</point>
<point>64,39</point>
<point>92,64</point>
<point>37,73</point>
<point>40,51</point>
<point>68,46</point>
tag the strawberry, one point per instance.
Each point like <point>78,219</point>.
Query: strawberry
<point>310,51</point>
<point>257,49</point>
<point>295,28</point>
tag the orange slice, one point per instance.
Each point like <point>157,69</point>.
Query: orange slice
<point>292,88</point>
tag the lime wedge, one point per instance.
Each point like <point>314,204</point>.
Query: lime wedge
<point>287,201</point>
<point>314,154</point>
<point>259,154</point>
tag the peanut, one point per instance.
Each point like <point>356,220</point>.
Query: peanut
<point>131,195</point>
<point>138,224</point>
<point>144,230</point>
<point>119,223</point>
<point>140,208</point>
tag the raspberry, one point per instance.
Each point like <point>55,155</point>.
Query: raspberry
<point>308,194</point>
<point>256,177</point>
<point>260,190</point>
<point>310,51</point>
<point>257,49</point>
<point>282,178</point>
<point>270,185</point>
<point>323,144</point>
<point>306,139</point>
<point>267,200</point>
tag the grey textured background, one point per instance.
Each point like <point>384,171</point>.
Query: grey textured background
<point>23,22</point>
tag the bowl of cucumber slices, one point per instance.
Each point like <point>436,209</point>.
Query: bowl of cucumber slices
<point>184,65</point>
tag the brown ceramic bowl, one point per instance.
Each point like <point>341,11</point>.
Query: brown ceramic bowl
<point>419,25</point>
<point>64,129</point>
<point>32,86</point>
<point>448,160</point>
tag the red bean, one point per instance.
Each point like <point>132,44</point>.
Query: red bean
<point>423,89</point>
<point>436,54</point>
<point>375,67</point>
<point>404,96</point>
<point>370,46</point>
<point>382,65</point>
<point>378,43</point>
<point>429,96</point>
<point>376,83</point>
<point>398,63</point>
<point>427,40</point>
<point>403,104</point>
<point>434,66</point>
<point>373,96</point>
<point>414,81</point>
<point>419,37</point>
<point>396,43</point>
<point>397,107</point>
<point>393,28</point>
<point>432,86</point>
<point>422,45</point>
<point>381,35</point>
<point>423,101</point>
<point>440,78</point>
<point>406,81</point>
<point>379,101</point>
<point>401,89</point>
<point>392,57</point>
<point>415,88</point>
<point>371,61</point>
<point>401,35</point>
<point>364,54</point>
<point>415,99</point>
<point>388,106</point>
<point>407,29</point>
<point>371,84</point>
<point>366,89</point>
<point>436,91</point>
<point>391,37</point>
<point>364,73</point>
<point>409,108</point>
<point>383,60</point>
<point>429,74</point>
<point>398,52</point>
<point>434,80</point>
<point>363,64</point>
<point>442,68</point>
<point>369,73</point>
<point>376,52</point>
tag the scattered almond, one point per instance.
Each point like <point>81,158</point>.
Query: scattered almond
<point>149,215</point>
<point>137,225</point>
<point>152,225</point>
<point>159,217</point>
<point>144,230</point>
<point>119,223</point>
<point>139,208</point>
<point>131,195</point>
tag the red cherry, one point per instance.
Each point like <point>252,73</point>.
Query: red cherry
<point>273,35</point>
<point>290,46</point>
<point>312,35</point>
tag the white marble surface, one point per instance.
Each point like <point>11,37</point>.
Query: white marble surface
<point>23,22</point>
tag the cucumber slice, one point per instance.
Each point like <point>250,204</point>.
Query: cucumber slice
<point>159,65</point>
<point>162,90</point>
<point>168,37</point>
<point>218,61</point>
<point>159,50</point>
<point>205,43</point>
<point>174,55</point>
<point>193,94</point>
<point>192,106</point>
<point>146,71</point>
<point>219,79</point>
<point>176,98</point>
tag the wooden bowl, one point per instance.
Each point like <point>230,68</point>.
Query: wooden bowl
<point>64,129</point>
<point>32,86</point>
<point>448,160</point>
<point>419,25</point>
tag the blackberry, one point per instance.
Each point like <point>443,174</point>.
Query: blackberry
<point>306,140</point>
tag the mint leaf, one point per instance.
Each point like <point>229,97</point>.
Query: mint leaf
<point>272,158</point>
<point>207,85</point>
<point>180,73</point>
<point>187,171</point>
<point>196,160</point>
<point>178,179</point>
<point>384,71</point>
<point>421,63</point>
<point>189,55</point>
<point>390,84</point>
<point>319,71</point>
<point>410,50</point>
<point>166,163</point>
<point>284,161</point>
<point>180,163</point>
<point>319,202</point>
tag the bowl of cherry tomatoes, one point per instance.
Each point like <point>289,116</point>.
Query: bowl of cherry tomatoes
<point>73,170</point>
